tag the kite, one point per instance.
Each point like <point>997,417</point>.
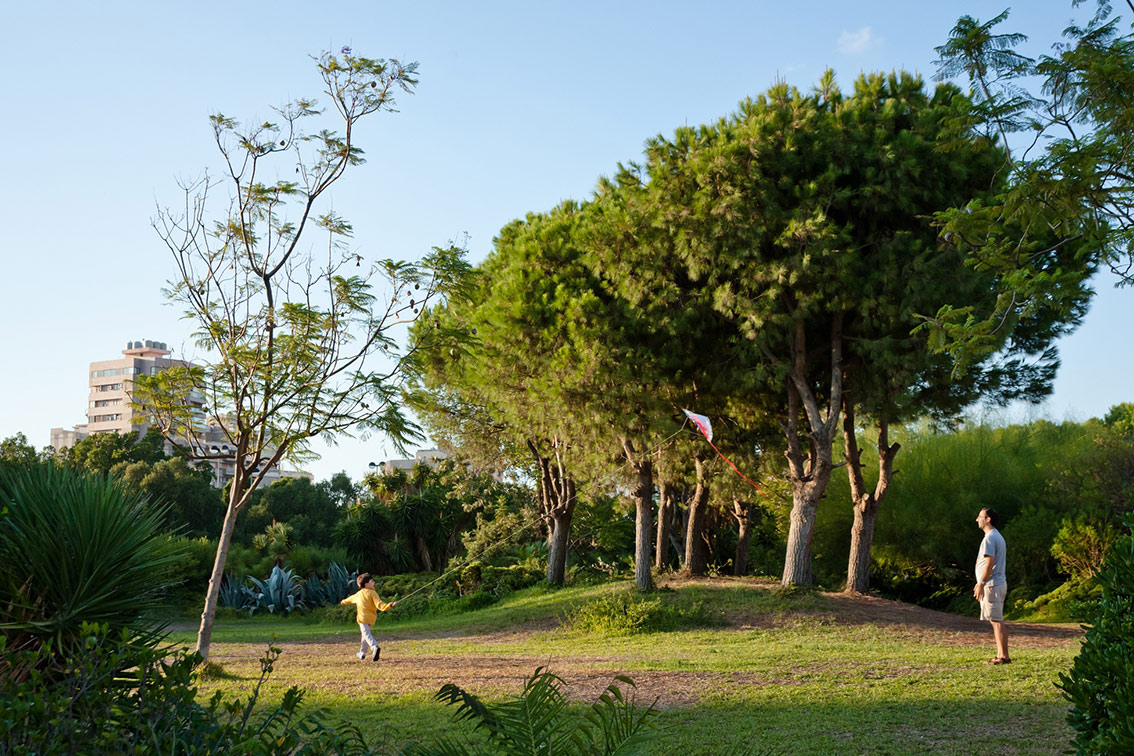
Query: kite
<point>706,427</point>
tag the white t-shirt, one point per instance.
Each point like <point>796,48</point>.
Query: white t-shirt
<point>993,545</point>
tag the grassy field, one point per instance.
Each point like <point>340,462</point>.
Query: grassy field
<point>796,673</point>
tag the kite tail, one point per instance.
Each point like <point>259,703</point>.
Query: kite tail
<point>738,472</point>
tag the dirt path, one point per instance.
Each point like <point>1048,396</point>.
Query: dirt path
<point>332,666</point>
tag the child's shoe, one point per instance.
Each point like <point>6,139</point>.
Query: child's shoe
<point>361,655</point>
<point>377,650</point>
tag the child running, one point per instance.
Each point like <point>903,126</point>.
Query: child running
<point>367,605</point>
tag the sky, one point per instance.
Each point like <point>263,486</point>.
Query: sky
<point>520,106</point>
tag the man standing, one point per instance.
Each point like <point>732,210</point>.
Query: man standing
<point>991,584</point>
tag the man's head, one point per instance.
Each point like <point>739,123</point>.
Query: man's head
<point>364,579</point>
<point>988,518</point>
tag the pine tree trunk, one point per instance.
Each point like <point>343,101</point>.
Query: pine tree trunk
<point>557,548</point>
<point>644,527</point>
<point>862,539</point>
<point>865,502</point>
<point>809,473</point>
<point>744,536</point>
<point>695,556</point>
<point>665,520</point>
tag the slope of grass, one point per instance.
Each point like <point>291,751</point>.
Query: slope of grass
<point>787,673</point>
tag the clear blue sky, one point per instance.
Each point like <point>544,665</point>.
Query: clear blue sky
<point>521,105</point>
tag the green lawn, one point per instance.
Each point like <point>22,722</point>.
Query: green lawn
<point>805,673</point>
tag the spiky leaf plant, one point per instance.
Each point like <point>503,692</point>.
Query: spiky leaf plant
<point>76,547</point>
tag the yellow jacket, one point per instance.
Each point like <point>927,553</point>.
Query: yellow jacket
<point>367,605</point>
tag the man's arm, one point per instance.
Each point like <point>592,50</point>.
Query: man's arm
<point>989,564</point>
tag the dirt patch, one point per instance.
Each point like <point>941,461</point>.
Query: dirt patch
<point>332,666</point>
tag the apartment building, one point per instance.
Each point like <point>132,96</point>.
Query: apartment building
<point>110,383</point>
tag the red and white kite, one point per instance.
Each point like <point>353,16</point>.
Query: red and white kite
<point>706,426</point>
<point>701,422</point>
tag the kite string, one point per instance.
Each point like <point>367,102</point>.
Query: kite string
<point>734,467</point>
<point>468,560</point>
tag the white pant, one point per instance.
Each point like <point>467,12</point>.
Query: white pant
<point>368,642</point>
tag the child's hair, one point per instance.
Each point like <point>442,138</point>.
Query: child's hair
<point>363,579</point>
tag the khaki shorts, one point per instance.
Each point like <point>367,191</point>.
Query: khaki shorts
<point>992,605</point>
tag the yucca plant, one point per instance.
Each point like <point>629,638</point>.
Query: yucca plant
<point>537,722</point>
<point>281,593</point>
<point>76,547</point>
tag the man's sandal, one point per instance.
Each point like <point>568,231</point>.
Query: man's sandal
<point>999,660</point>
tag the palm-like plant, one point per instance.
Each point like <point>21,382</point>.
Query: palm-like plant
<point>76,547</point>
<point>537,722</point>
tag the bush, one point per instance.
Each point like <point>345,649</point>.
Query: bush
<point>624,614</point>
<point>1081,544</point>
<point>75,548</point>
<point>1100,683</point>
<point>95,708</point>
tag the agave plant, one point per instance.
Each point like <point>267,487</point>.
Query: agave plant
<point>75,548</point>
<point>235,592</point>
<point>329,590</point>
<point>537,722</point>
<point>281,593</point>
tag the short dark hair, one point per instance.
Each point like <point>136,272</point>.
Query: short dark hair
<point>993,517</point>
<point>363,579</point>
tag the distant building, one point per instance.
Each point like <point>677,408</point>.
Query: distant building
<point>110,383</point>
<point>428,457</point>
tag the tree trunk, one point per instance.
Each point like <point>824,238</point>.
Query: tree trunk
<point>644,527</point>
<point>208,614</point>
<point>811,474</point>
<point>864,502</point>
<point>557,505</point>
<point>557,547</point>
<point>695,557</point>
<point>741,511</point>
<point>665,520</point>
<point>423,553</point>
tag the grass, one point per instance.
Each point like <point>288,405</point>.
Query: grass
<point>783,673</point>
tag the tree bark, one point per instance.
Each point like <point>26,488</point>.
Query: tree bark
<point>208,614</point>
<point>864,502</point>
<point>741,511</point>
<point>643,515</point>
<point>811,474</point>
<point>557,506</point>
<point>665,520</point>
<point>423,553</point>
<point>695,556</point>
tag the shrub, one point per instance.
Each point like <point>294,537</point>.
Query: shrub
<point>1081,544</point>
<point>624,614</point>
<point>1100,683</point>
<point>74,548</point>
<point>95,708</point>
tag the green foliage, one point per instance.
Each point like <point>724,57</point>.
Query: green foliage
<point>309,511</point>
<point>193,506</point>
<point>103,451</point>
<point>276,541</point>
<point>539,722</point>
<point>1100,683</point>
<point>15,450</point>
<point>626,614</point>
<point>117,696</point>
<point>76,547</point>
<point>1082,543</point>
